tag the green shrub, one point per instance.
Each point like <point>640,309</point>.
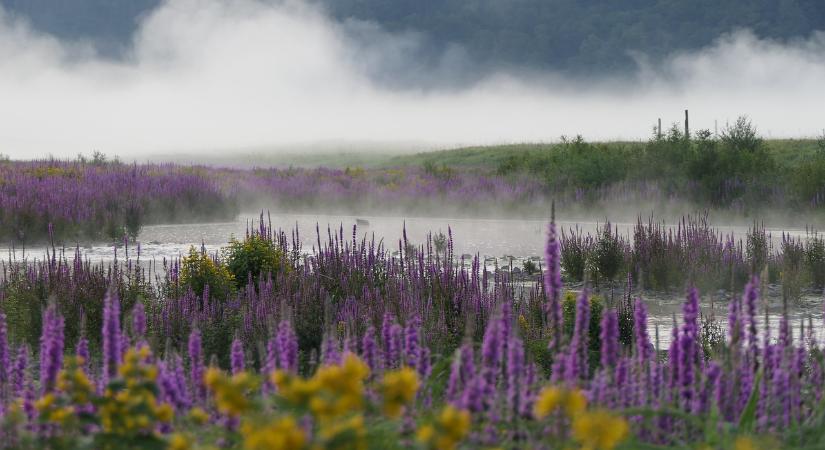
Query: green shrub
<point>569,314</point>
<point>815,259</point>
<point>529,267</point>
<point>198,270</point>
<point>253,257</point>
<point>608,254</point>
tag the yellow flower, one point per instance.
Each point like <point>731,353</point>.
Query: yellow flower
<point>61,415</point>
<point>165,413</point>
<point>347,434</point>
<point>230,393</point>
<point>575,403</point>
<point>744,443</point>
<point>450,427</point>
<point>425,433</point>
<point>398,389</point>
<point>552,398</point>
<point>45,402</point>
<point>280,434</point>
<point>198,415</point>
<point>599,430</point>
<point>179,442</point>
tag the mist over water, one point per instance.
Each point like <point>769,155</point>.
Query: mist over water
<point>210,75</point>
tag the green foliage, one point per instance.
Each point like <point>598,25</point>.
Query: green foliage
<point>442,172</point>
<point>569,314</point>
<point>199,270</point>
<point>608,254</point>
<point>529,267</point>
<point>815,257</point>
<point>254,257</point>
<point>575,252</point>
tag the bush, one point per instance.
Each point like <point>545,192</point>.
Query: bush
<point>529,267</point>
<point>608,254</point>
<point>575,251</point>
<point>253,257</point>
<point>815,258</point>
<point>199,270</point>
<point>569,315</point>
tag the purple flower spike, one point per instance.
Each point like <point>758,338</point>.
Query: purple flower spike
<point>553,284</point>
<point>111,335</point>
<point>610,339</point>
<point>237,356</point>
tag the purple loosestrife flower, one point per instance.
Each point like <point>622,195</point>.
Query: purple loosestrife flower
<point>610,339</point>
<point>19,371</point>
<point>553,285</point>
<point>180,382</point>
<point>751,297</point>
<point>51,348</point>
<point>196,369</point>
<point>369,350</point>
<point>168,386</point>
<point>644,349</point>
<point>393,356</point>
<point>462,370</point>
<point>411,344</point>
<point>5,358</point>
<point>236,356</point>
<point>686,367</point>
<point>711,380</point>
<point>287,347</point>
<point>111,336</point>
<point>271,363</point>
<point>515,369</point>
<point>576,364</point>
<point>330,353</point>
<point>386,337</point>
<point>82,351</point>
<point>139,322</point>
<point>491,356</point>
<point>527,394</point>
<point>475,392</point>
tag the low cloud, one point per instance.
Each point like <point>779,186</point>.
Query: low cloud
<point>233,75</point>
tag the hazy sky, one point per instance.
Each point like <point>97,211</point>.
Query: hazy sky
<point>231,75</point>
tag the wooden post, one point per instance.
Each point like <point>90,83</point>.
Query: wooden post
<point>687,126</point>
<point>659,132</point>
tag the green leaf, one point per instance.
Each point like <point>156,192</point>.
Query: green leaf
<point>748,417</point>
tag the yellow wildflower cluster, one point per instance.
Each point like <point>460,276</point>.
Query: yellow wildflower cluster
<point>131,408</point>
<point>398,388</point>
<point>553,398</point>
<point>599,430</point>
<point>73,389</point>
<point>593,430</point>
<point>74,382</point>
<point>54,411</point>
<point>333,391</point>
<point>282,433</point>
<point>231,393</point>
<point>448,430</point>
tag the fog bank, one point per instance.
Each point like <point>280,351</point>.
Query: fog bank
<point>219,76</point>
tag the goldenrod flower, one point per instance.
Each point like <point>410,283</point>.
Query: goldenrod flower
<point>280,434</point>
<point>744,443</point>
<point>179,442</point>
<point>398,389</point>
<point>198,415</point>
<point>552,398</point>
<point>599,430</point>
<point>451,426</point>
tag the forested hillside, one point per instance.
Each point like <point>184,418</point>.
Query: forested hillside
<point>564,35</point>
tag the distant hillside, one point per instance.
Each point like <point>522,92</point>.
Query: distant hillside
<point>592,36</point>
